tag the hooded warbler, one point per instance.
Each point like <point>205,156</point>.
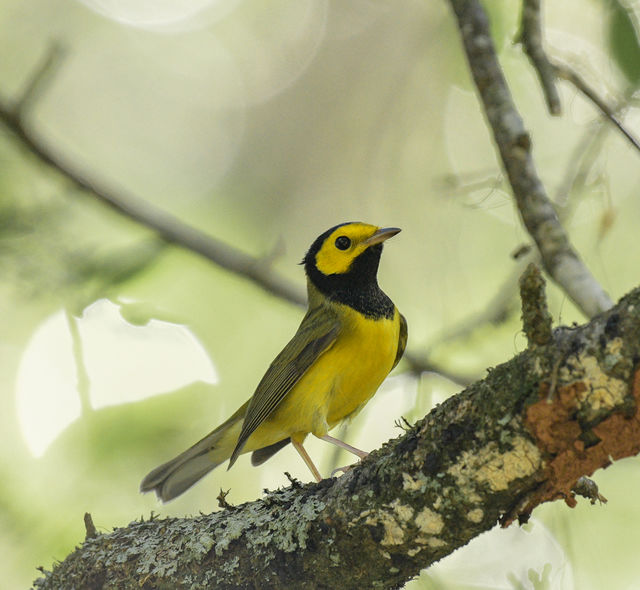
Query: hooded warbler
<point>349,340</point>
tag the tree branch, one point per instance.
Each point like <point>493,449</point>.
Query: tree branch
<point>581,163</point>
<point>40,78</point>
<point>559,258</point>
<point>530,36</point>
<point>564,72</point>
<point>522,436</point>
<point>423,364</point>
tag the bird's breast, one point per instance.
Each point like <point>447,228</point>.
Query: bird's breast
<point>345,377</point>
<point>362,358</point>
<point>341,381</point>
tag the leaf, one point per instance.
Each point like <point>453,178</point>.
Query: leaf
<point>623,41</point>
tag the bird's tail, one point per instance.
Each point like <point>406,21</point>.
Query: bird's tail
<point>172,478</point>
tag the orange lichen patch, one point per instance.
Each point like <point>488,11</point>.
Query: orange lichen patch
<point>552,423</point>
<point>620,436</point>
<point>556,432</point>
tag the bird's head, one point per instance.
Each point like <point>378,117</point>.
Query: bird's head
<point>346,257</point>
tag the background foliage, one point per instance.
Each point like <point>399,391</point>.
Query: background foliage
<point>263,127</point>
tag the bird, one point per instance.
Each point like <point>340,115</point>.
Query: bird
<point>350,338</point>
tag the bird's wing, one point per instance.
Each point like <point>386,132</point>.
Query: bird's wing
<point>402,339</point>
<point>316,334</point>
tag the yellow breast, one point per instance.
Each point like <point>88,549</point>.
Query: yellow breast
<point>339,383</point>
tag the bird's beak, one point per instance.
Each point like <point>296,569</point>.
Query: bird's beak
<point>381,235</point>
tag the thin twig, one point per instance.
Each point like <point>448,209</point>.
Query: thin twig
<point>422,364</point>
<point>570,75</point>
<point>43,75</point>
<point>560,259</point>
<point>581,162</point>
<point>83,382</point>
<point>530,36</point>
<point>499,308</point>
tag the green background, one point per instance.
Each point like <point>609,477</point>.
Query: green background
<point>263,125</point>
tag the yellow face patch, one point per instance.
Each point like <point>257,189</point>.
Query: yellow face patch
<point>333,257</point>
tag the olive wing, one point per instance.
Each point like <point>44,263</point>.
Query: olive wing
<point>316,334</point>
<point>402,339</point>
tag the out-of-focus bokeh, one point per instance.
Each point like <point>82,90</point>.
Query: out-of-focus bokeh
<point>263,124</point>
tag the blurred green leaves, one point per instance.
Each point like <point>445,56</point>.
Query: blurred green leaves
<point>117,437</point>
<point>100,272</point>
<point>504,21</point>
<point>55,246</point>
<point>622,36</point>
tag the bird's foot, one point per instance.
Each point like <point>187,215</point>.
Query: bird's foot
<point>346,467</point>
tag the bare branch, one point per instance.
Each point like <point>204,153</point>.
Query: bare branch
<point>566,73</point>
<point>580,164</point>
<point>491,453</point>
<point>39,80</point>
<point>559,258</point>
<point>423,364</point>
<point>530,36</point>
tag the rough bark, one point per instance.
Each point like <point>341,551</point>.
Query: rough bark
<point>521,436</point>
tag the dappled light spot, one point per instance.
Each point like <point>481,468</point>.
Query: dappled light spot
<point>73,365</point>
<point>161,15</point>
<point>274,43</point>
<point>46,397</point>
<point>527,557</point>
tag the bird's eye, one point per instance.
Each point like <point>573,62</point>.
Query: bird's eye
<point>343,242</point>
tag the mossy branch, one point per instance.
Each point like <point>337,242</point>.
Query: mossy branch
<point>536,319</point>
<point>522,436</point>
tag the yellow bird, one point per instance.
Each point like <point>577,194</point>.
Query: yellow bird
<point>350,338</point>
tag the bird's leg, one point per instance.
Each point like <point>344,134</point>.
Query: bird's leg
<point>344,445</point>
<point>305,457</point>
